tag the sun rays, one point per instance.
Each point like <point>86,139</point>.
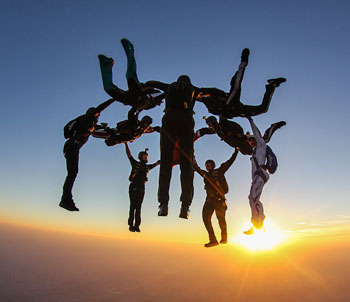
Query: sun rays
<point>265,239</point>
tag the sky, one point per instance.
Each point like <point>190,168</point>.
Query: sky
<point>50,75</point>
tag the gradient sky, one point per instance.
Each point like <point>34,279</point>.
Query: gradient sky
<point>50,74</point>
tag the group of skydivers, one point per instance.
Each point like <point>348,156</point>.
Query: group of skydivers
<point>177,138</point>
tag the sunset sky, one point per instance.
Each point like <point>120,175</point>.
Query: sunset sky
<point>50,75</point>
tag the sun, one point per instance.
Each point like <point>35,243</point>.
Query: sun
<point>265,239</point>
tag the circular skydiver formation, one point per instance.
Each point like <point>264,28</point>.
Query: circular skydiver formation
<point>177,137</point>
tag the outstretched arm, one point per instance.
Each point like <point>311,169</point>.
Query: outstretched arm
<point>151,166</point>
<point>104,105</point>
<point>157,85</point>
<point>226,165</point>
<point>128,153</point>
<point>259,140</point>
<point>203,131</point>
<point>197,168</point>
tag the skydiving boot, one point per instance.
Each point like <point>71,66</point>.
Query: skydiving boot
<point>245,56</point>
<point>184,212</point>
<point>250,231</point>
<point>211,243</point>
<point>163,210</point>
<point>271,130</point>
<point>131,66</point>
<point>68,204</point>
<point>276,82</point>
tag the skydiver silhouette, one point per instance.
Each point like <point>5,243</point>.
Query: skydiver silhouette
<point>137,95</point>
<point>137,178</point>
<point>229,105</point>
<point>216,187</point>
<point>77,133</point>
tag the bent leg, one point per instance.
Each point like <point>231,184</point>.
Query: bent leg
<point>265,104</point>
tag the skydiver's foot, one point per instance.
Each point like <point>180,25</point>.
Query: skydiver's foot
<point>184,212</point>
<point>137,228</point>
<point>245,56</point>
<point>106,61</point>
<point>128,47</point>
<point>249,232</point>
<point>68,204</point>
<point>276,82</point>
<point>163,210</point>
<point>211,243</point>
<point>132,228</point>
<point>223,241</point>
<point>270,131</point>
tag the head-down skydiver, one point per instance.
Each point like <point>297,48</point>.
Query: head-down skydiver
<point>229,105</point>
<point>138,95</point>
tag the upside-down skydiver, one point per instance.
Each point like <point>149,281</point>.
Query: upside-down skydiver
<point>229,105</point>
<point>137,95</point>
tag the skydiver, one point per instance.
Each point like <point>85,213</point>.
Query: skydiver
<point>77,133</point>
<point>260,175</point>
<point>138,94</point>
<point>126,131</point>
<point>177,125</point>
<point>229,105</point>
<point>233,134</point>
<point>216,187</point>
<point>137,178</point>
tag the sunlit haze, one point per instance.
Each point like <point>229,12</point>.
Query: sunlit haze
<point>50,74</point>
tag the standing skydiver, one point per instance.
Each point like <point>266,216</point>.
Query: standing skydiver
<point>138,94</point>
<point>138,178</point>
<point>216,187</point>
<point>229,105</point>
<point>264,162</point>
<point>77,133</point>
<point>177,125</point>
<point>126,131</point>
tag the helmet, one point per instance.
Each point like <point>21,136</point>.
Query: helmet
<point>211,119</point>
<point>210,161</point>
<point>146,119</point>
<point>142,153</point>
<point>183,83</point>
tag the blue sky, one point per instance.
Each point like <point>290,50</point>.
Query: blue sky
<point>50,74</point>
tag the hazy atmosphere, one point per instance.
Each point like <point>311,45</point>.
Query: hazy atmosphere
<point>50,74</point>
